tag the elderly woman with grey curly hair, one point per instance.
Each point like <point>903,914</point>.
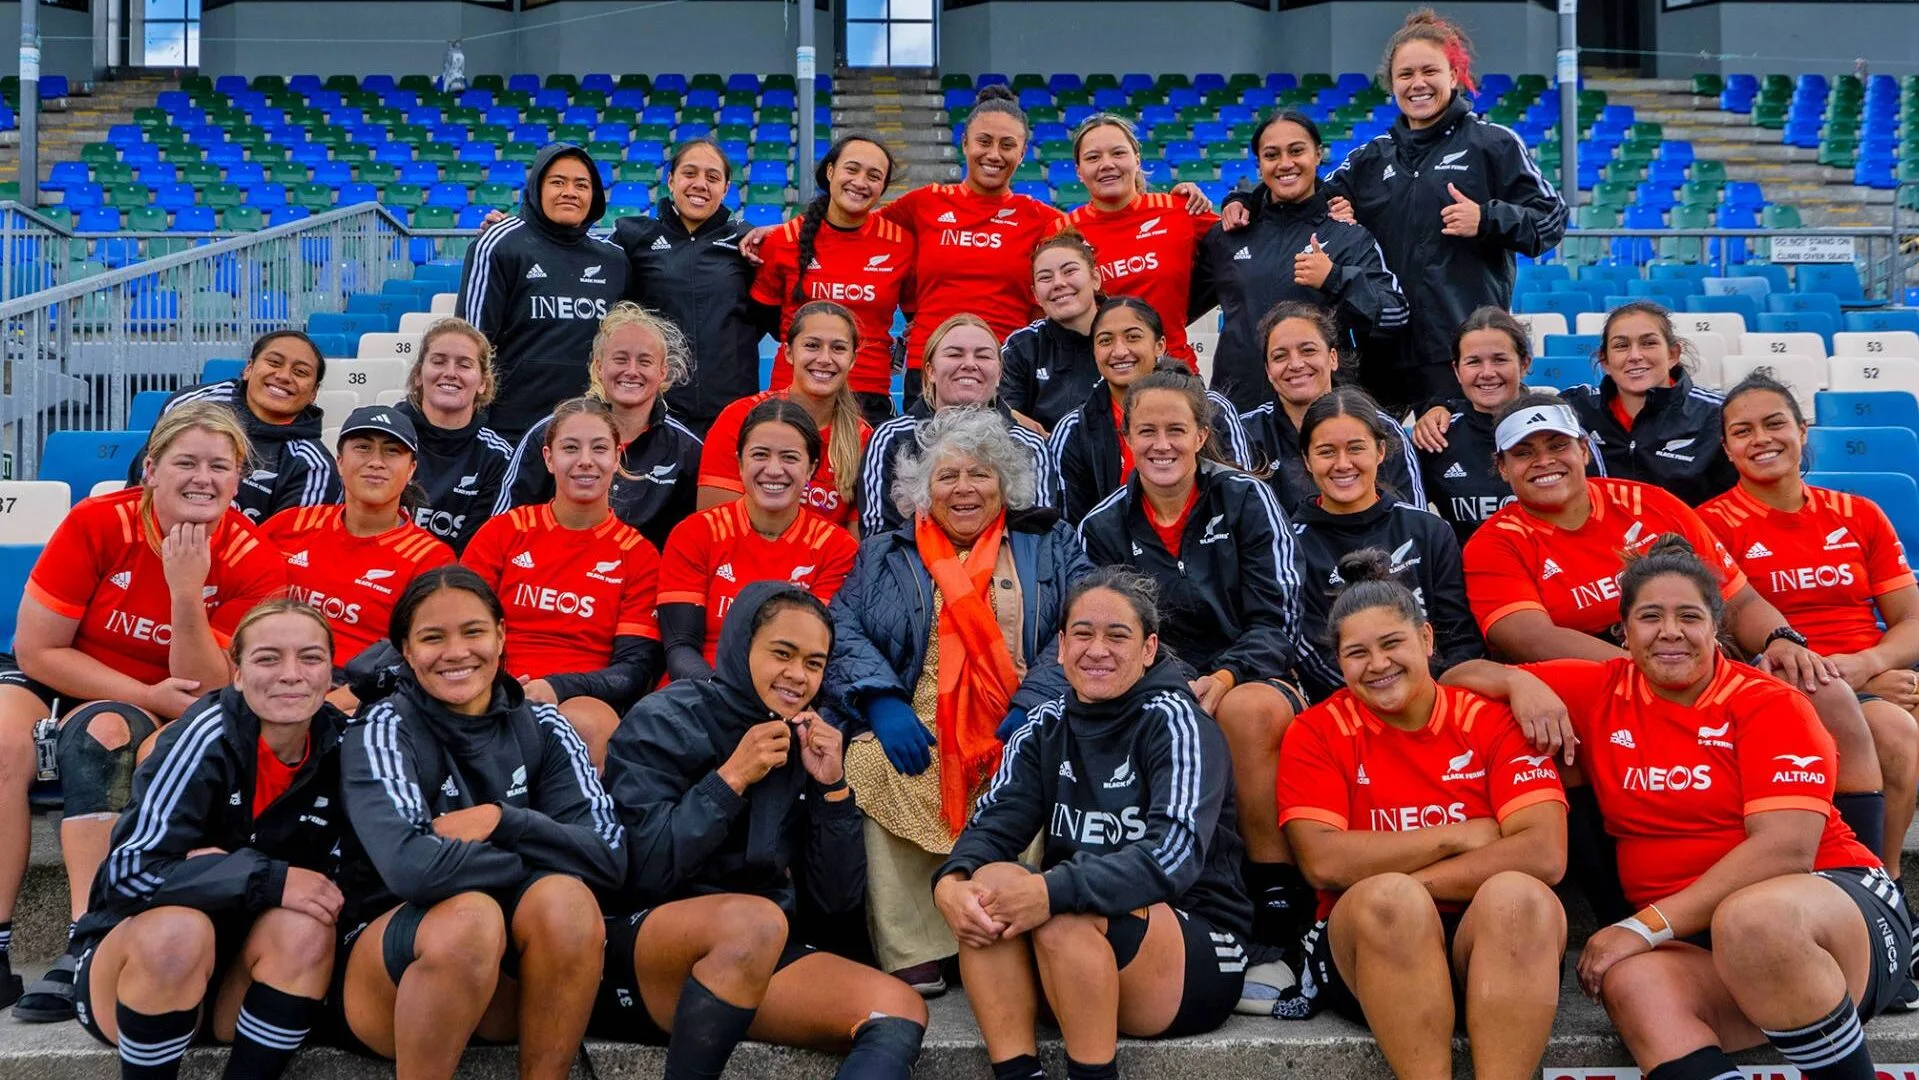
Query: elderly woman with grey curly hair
<point>638,355</point>
<point>946,635</point>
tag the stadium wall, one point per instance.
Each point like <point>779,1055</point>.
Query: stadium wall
<point>66,45</point>
<point>1793,39</point>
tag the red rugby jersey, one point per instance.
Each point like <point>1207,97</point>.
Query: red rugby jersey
<point>714,554</point>
<point>100,569</point>
<point>1146,250</point>
<point>353,580</point>
<point>567,592</point>
<point>720,461</point>
<point>973,253</point>
<point>1516,562</point>
<point>866,270</point>
<point>1342,766</point>
<point>1822,567</point>
<point>1675,783</point>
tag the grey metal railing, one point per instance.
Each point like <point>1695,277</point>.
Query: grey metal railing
<point>75,354</point>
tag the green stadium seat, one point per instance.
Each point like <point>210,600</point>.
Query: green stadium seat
<point>1028,80</point>
<point>1781,216</point>
<point>182,155</point>
<point>269,82</point>
<point>1769,114</point>
<point>348,83</point>
<point>464,172</point>
<point>1198,172</point>
<point>572,133</point>
<point>199,173</point>
<point>766,194</point>
<point>540,115</point>
<point>1624,172</point>
<point>284,172</point>
<point>150,116</point>
<point>113,172</point>
<point>434,217</point>
<point>638,172</point>
<point>1710,171</point>
<point>1612,193</point>
<point>592,99</point>
<point>706,80</point>
<point>1173,80</point>
<point>1031,171</point>
<point>566,81</point>
<point>495,83</point>
<point>1314,81</point>
<point>241,219</point>
<point>439,153</point>
<point>1069,195</point>
<point>641,82</point>
<point>953,80</point>
<point>99,154</point>
<point>1700,193</point>
<point>601,149</point>
<point>220,196</point>
<point>494,194</point>
<point>405,196</point>
<point>519,151</point>
<point>128,196</point>
<point>493,133</point>
<point>315,197</point>
<point>191,83</point>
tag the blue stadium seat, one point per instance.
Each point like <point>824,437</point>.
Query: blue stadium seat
<point>98,219</point>
<point>1895,493</point>
<point>1858,408</point>
<point>283,213</point>
<point>1879,322</point>
<point>423,173</point>
<point>1826,303</point>
<point>1569,304</point>
<point>355,193</point>
<point>337,346</point>
<point>1560,372</point>
<point>761,214</point>
<point>84,458</point>
<point>334,174</point>
<point>145,409</point>
<point>16,563</point>
<point>1581,345</point>
<point>453,195</point>
<point>1671,292</point>
<point>329,322</point>
<point>1799,322</point>
<point>1839,279</point>
<point>1863,449</point>
<point>220,370</point>
<point>194,219</point>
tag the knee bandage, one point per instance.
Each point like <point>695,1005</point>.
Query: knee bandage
<point>94,779</point>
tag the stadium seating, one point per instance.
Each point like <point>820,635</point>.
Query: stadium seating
<point>81,459</point>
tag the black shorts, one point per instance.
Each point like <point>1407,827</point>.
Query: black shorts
<point>1321,984</point>
<point>618,1012</point>
<point>1295,697</point>
<point>229,937</point>
<point>1215,969</point>
<point>11,675</point>
<point>1888,926</point>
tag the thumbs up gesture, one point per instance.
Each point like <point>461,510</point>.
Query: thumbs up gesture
<point>1461,217</point>
<point>1311,267</point>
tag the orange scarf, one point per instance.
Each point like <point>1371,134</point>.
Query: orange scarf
<point>976,673</point>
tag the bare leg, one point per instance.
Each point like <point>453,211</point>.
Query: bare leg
<point>1389,946</point>
<point>1839,712</point>
<point>1895,737</point>
<point>425,1021</point>
<point>562,945</point>
<point>1254,718</point>
<point>19,711</point>
<point>287,950</point>
<point>820,1001</point>
<point>1670,1002</point>
<point>595,721</point>
<point>1787,949</point>
<point>1507,955</point>
<point>1007,1015</point>
<point>729,943</point>
<point>155,963</point>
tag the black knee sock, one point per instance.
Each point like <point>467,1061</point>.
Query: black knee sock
<point>271,1027</point>
<point>705,1031</point>
<point>1830,1048</point>
<point>1283,904</point>
<point>1706,1063</point>
<point>1865,813</point>
<point>884,1048</point>
<point>6,937</point>
<point>151,1046</point>
<point>1023,1067</point>
<point>1078,1070</point>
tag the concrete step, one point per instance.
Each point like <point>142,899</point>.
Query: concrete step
<point>844,100</point>
<point>1324,1048</point>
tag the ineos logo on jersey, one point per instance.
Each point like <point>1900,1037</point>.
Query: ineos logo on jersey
<point>1136,264</point>
<point>1811,577</point>
<point>1596,592</point>
<point>140,629</point>
<point>334,608</point>
<point>439,522</point>
<point>1672,778</point>
<point>965,239</point>
<point>555,600</point>
<point>823,499</point>
<point>841,292</point>
<point>565,307</point>
<point>1097,828</point>
<point>1409,818</point>
<point>1478,507</point>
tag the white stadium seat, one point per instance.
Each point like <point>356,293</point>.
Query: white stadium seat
<point>367,377</point>
<point>330,438</point>
<point>1873,373</point>
<point>1540,324</point>
<point>29,509</point>
<point>1590,322</point>
<point>335,404</point>
<point>1727,324</point>
<point>1805,375</point>
<point>1709,359</point>
<point>416,322</point>
<point>1203,333</point>
<point>443,303</point>
<point>389,397</point>
<point>381,346</point>
<point>1751,344</point>
<point>1884,343</point>
<point>106,487</point>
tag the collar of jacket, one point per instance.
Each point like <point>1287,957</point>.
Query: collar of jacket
<point>1065,334</point>
<point>1658,399</point>
<point>308,425</point>
<point>655,420</point>
<point>669,217</point>
<point>243,725</point>
<point>1165,673</point>
<point>458,731</point>
<point>920,409</point>
<point>441,442</point>
<point>535,215</point>
<point>1469,414</point>
<point>1418,141</point>
<point>1311,513</point>
<point>1311,209</point>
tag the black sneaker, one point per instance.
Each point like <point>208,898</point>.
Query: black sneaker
<point>9,982</point>
<point>1282,914</point>
<point>50,999</point>
<point>1908,999</point>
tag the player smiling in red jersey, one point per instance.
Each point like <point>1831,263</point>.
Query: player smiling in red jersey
<point>579,585</point>
<point>767,534</point>
<point>1717,784</point>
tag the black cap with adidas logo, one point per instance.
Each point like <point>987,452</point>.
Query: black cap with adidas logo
<point>384,419</point>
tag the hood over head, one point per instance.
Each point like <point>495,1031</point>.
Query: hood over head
<point>733,672</point>
<point>530,199</point>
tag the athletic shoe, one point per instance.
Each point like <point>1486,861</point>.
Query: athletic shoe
<point>9,982</point>
<point>50,999</point>
<point>1266,985</point>
<point>1908,999</point>
<point>926,979</point>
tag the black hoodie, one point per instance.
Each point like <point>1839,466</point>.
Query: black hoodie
<point>1046,371</point>
<point>408,759</point>
<point>461,472</point>
<point>538,290</point>
<point>1425,558</point>
<point>700,280</point>
<point>1397,184</point>
<point>688,832</point>
<point>196,791</point>
<point>1248,270</point>
<point>1461,480</point>
<point>1675,442</point>
<point>1133,799</point>
<point>653,491</point>
<point>288,464</point>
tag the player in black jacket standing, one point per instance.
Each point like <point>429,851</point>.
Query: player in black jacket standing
<point>735,802</point>
<point>219,888</point>
<point>538,286</point>
<point>1291,250</point>
<point>288,464</point>
<point>1138,899</point>
<point>1451,197</point>
<point>461,464</point>
<point>1046,367</point>
<point>685,263</point>
<point>482,836</point>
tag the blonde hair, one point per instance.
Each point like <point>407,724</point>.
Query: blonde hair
<point>843,448</point>
<point>964,318</point>
<point>489,379</point>
<point>266,609</point>
<point>625,315</point>
<point>207,416</point>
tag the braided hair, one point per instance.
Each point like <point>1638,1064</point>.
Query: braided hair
<point>815,214</point>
